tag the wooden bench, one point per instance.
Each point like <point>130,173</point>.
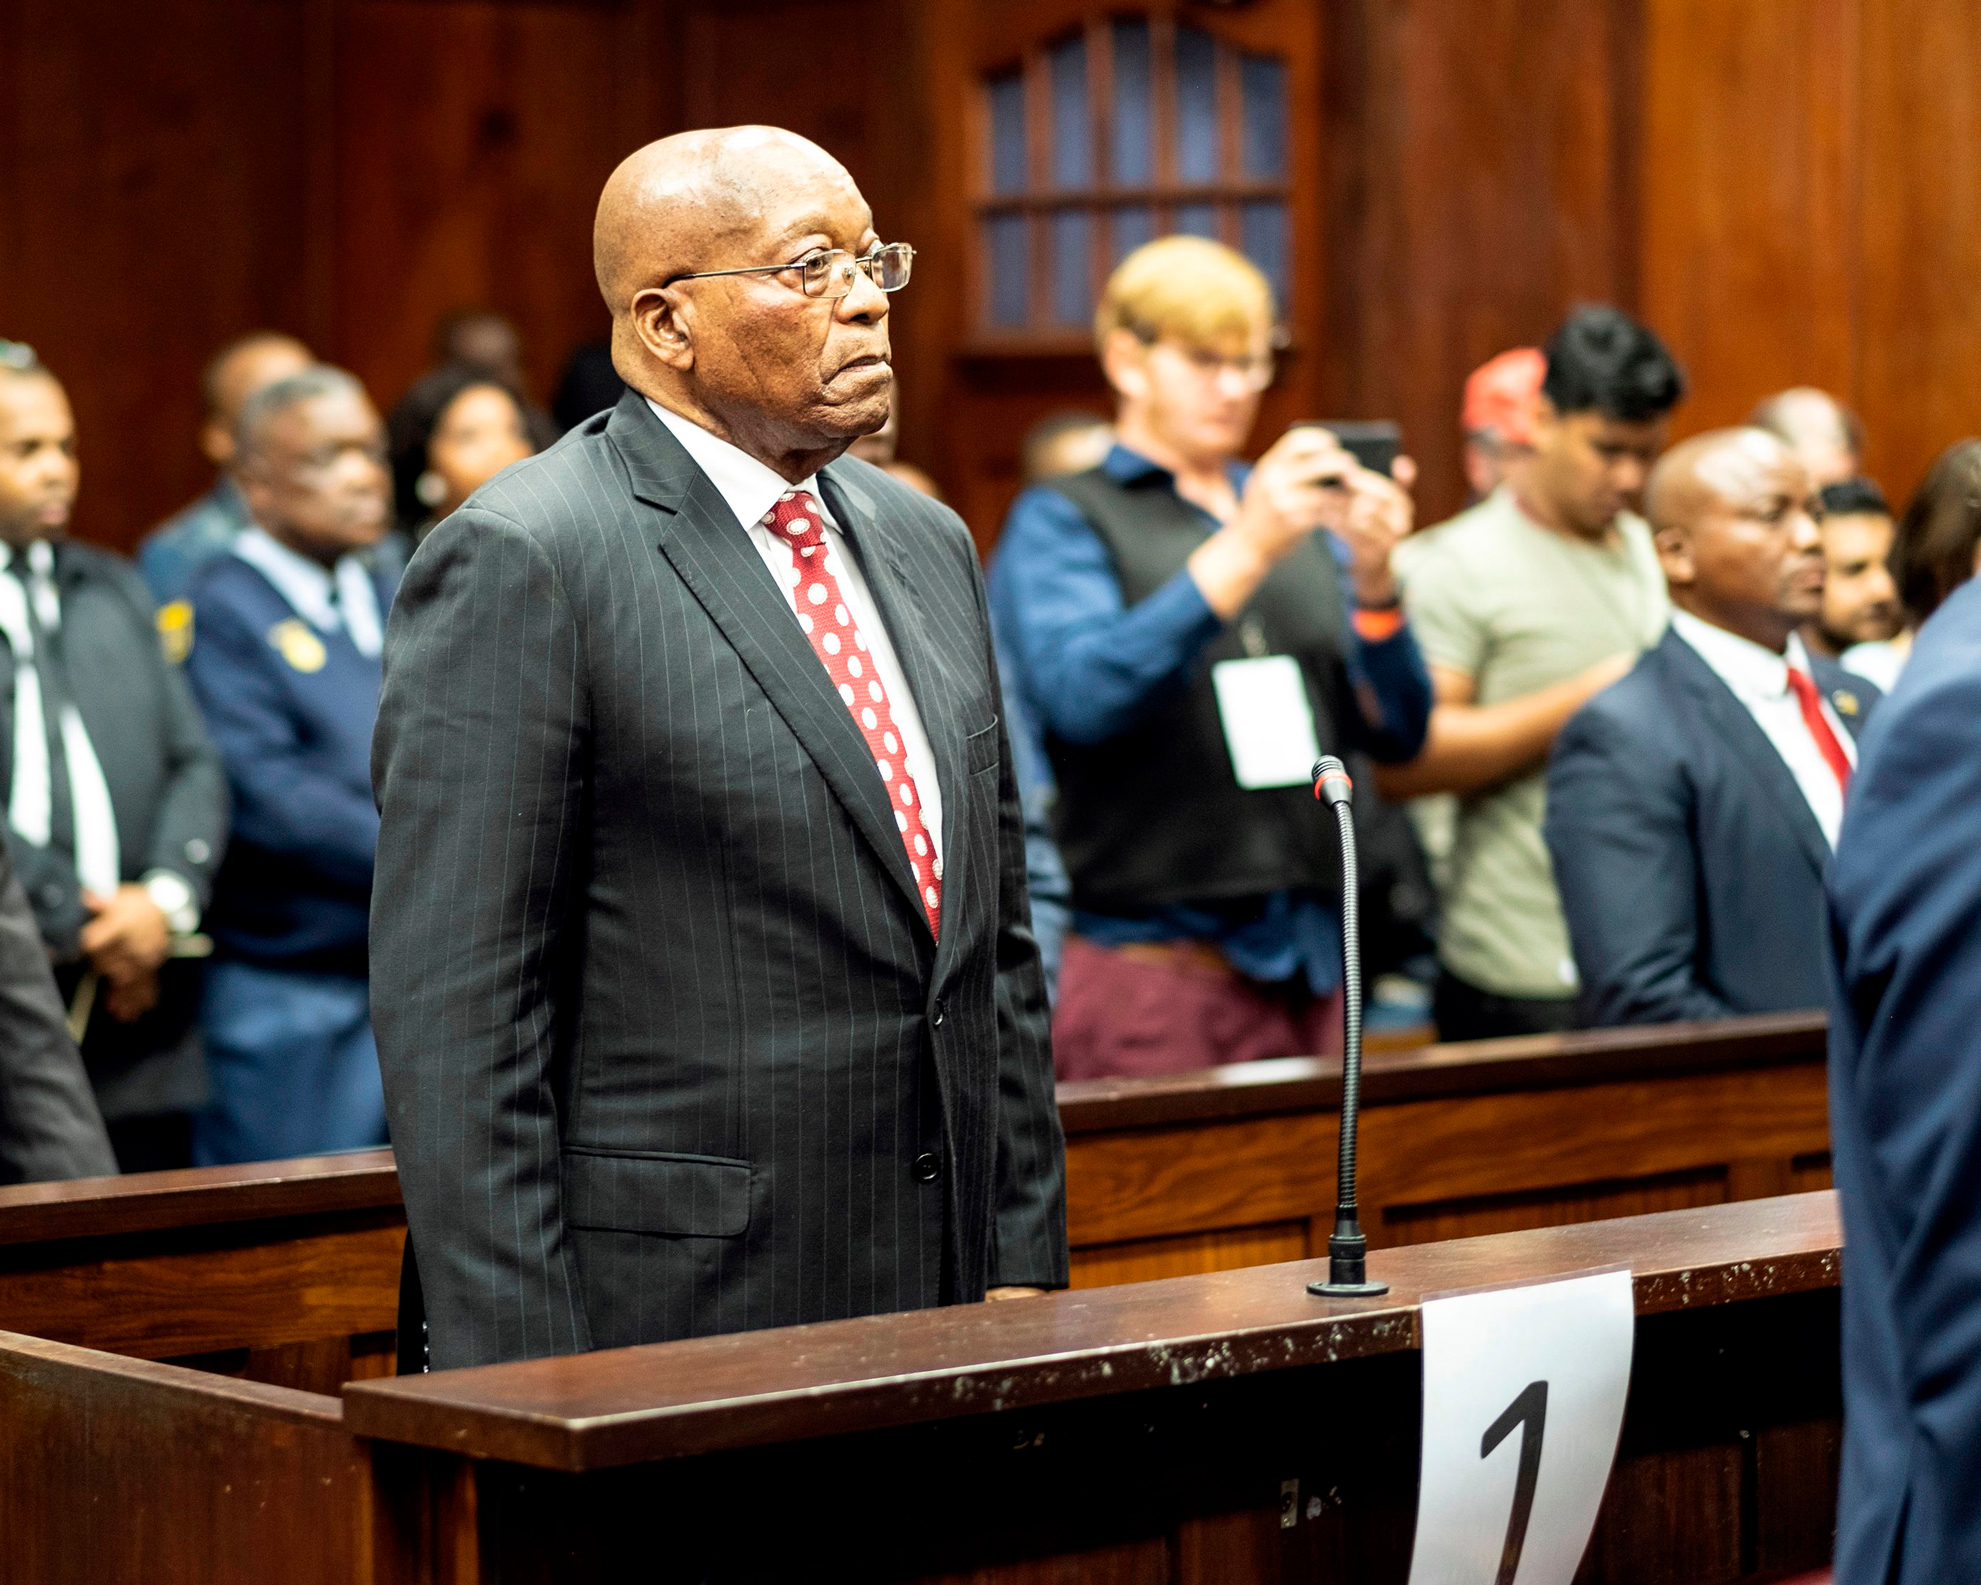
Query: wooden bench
<point>287,1272</point>
<point>1137,1433</point>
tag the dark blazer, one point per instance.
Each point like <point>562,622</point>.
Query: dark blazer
<point>668,1048</point>
<point>49,1124</point>
<point>1689,864</point>
<point>1905,1120</point>
<point>295,891</point>
<point>170,796</point>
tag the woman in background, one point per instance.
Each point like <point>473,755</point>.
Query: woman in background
<point>456,429</point>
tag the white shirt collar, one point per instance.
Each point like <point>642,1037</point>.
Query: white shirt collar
<point>750,488</point>
<point>307,586</point>
<point>1750,670</point>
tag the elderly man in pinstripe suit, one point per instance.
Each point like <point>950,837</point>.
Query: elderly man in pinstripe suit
<point>703,985</point>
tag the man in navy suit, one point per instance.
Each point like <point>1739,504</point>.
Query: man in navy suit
<point>1905,1120</point>
<point>289,626</point>
<point>1692,807</point>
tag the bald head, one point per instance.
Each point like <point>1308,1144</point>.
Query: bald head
<point>1817,428</point>
<point>697,246</point>
<point>669,207</point>
<point>1735,514</point>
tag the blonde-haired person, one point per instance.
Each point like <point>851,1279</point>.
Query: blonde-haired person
<point>1152,609</point>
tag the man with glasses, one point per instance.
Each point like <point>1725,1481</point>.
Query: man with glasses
<point>705,992</point>
<point>1190,634</point>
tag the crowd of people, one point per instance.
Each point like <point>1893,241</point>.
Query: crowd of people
<point>1618,697</point>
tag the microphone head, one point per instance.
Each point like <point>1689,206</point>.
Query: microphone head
<point>1331,780</point>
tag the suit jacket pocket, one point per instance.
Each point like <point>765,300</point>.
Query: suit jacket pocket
<point>980,749</point>
<point>654,1192</point>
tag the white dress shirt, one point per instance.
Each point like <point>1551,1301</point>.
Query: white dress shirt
<point>1758,678</point>
<point>751,490</point>
<point>309,587</point>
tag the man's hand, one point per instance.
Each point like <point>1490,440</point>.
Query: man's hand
<point>129,937</point>
<point>1012,1293</point>
<point>1379,516</point>
<point>129,1000</point>
<point>1297,487</point>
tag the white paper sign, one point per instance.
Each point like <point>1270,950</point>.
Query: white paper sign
<point>1268,721</point>
<point>1523,1399</point>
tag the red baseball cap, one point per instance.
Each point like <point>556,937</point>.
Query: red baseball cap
<point>1499,395</point>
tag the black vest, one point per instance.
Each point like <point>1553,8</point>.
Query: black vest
<point>1155,816</point>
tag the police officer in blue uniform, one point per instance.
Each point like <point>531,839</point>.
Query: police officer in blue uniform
<point>287,629</point>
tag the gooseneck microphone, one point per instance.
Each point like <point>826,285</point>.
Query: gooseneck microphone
<point>1348,1249</point>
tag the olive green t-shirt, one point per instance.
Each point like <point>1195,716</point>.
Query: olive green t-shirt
<point>1518,607</point>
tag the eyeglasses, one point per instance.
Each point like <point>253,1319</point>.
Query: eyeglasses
<point>1255,371</point>
<point>830,272</point>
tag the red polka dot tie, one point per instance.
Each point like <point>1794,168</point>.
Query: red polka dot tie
<point>839,644</point>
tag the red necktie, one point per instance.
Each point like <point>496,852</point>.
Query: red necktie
<point>1804,688</point>
<point>839,644</point>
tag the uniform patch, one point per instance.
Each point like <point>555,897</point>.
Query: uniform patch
<point>298,644</point>
<point>1845,701</point>
<point>175,631</point>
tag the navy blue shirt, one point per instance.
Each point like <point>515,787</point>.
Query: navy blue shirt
<point>1085,664</point>
<point>291,709</point>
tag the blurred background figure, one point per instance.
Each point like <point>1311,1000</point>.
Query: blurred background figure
<point>49,1124</point>
<point>878,448</point>
<point>589,385</point>
<point>1528,604</point>
<point>116,802</point>
<point>1860,600</point>
<point>1138,601</point>
<point>480,339</point>
<point>1064,443</point>
<point>456,429</point>
<point>1824,434</point>
<point>1692,808</point>
<point>285,661</point>
<point>1935,549</point>
<point>1497,417</point>
<point>172,553</point>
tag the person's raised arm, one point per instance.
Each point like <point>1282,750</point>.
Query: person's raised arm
<point>1470,747</point>
<point>480,762</point>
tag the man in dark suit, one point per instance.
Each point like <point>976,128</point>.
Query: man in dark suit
<point>1693,805</point>
<point>1905,1121</point>
<point>49,1124</point>
<point>703,983</point>
<point>116,803</point>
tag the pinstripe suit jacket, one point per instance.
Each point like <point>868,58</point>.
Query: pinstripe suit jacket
<point>668,1048</point>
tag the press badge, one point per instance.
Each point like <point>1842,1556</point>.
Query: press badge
<point>1268,721</point>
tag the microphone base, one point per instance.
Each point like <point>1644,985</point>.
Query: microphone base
<point>1348,1290</point>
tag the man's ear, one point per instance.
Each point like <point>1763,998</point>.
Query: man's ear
<point>1674,545</point>
<point>662,318</point>
<point>1122,357</point>
<point>217,441</point>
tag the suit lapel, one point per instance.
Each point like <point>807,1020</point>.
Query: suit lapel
<point>721,568</point>
<point>1749,744</point>
<point>876,536</point>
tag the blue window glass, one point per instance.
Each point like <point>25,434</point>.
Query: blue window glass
<point>1007,258</point>
<point>1262,239</point>
<point>1262,85</point>
<point>1197,220</point>
<point>1196,106</point>
<point>1134,119</point>
<point>1133,226</point>
<point>1007,114</point>
<point>1072,267</point>
<point>1072,126</point>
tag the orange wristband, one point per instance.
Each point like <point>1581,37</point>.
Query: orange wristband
<point>1373,627</point>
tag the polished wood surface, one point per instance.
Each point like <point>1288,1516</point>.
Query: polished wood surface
<point>1147,1433</point>
<point>747,1389</point>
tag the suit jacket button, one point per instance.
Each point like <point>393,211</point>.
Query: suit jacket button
<point>927,1167</point>
<point>935,1017</point>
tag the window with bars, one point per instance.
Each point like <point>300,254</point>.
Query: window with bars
<point>1129,129</point>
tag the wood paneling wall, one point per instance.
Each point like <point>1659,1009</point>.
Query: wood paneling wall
<point>1779,187</point>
